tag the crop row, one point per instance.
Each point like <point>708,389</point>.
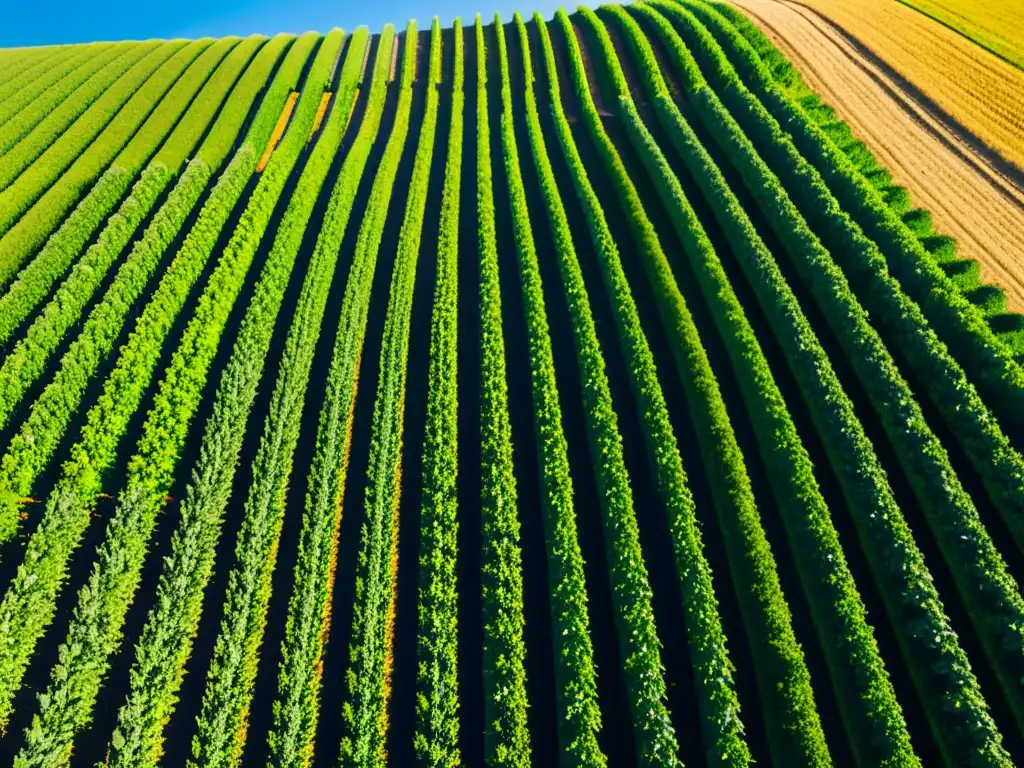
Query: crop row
<point>47,420</point>
<point>960,324</point>
<point>35,280</point>
<point>897,563</point>
<point>720,723</point>
<point>28,604</point>
<point>795,732</point>
<point>95,101</point>
<point>506,736</point>
<point>26,108</point>
<point>436,739</point>
<point>229,685</point>
<point>171,626</point>
<point>978,568</point>
<point>36,202</point>
<point>865,693</point>
<point>367,679</point>
<point>575,672</point>
<point>95,630</point>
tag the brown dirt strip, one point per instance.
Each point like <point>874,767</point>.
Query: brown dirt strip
<point>944,171</point>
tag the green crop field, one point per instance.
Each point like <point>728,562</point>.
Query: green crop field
<point>541,393</point>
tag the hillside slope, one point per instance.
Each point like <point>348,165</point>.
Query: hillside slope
<point>571,392</point>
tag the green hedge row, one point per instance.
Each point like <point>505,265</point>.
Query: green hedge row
<point>95,630</point>
<point>35,203</point>
<point>579,715</point>
<point>713,670</point>
<point>795,733</point>
<point>977,566</point>
<point>368,676</point>
<point>872,714</point>
<point>33,445</point>
<point>506,736</point>
<point>167,638</point>
<point>29,602</point>
<point>963,316</point>
<point>436,740</point>
<point>26,107</point>
<point>34,282</point>
<point>96,101</point>
<point>223,719</point>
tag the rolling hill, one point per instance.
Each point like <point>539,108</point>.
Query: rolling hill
<point>571,392</point>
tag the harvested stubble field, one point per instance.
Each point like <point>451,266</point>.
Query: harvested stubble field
<point>997,25</point>
<point>573,392</point>
<point>972,193</point>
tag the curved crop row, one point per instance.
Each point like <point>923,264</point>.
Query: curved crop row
<point>28,104</point>
<point>28,605</point>
<point>978,568</point>
<point>436,739</point>
<point>366,716</point>
<point>192,91</point>
<point>941,671</point>
<point>719,705</point>
<point>959,323</point>
<point>23,84</point>
<point>167,638</point>
<point>96,628</point>
<point>133,63</point>
<point>795,733</point>
<point>872,714</point>
<point>39,435</point>
<point>899,320</point>
<point>575,672</point>
<point>64,309</point>
<point>36,198</point>
<point>21,64</point>
<point>364,719</point>
<point>223,719</point>
<point>507,737</point>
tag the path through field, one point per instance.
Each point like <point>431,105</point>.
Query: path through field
<point>968,197</point>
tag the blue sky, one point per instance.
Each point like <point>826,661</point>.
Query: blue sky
<point>35,22</point>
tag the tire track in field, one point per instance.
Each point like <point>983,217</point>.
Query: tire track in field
<point>968,198</point>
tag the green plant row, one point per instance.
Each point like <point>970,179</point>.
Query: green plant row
<point>719,705</point>
<point>25,70</point>
<point>40,75</point>
<point>978,568</point>
<point>28,103</point>
<point>29,602</point>
<point>19,60</point>
<point>171,626</point>
<point>91,100</point>
<point>899,320</point>
<point>367,684</point>
<point>223,720</point>
<point>872,714</point>
<point>36,197</point>
<point>579,715</point>
<point>959,323</point>
<point>939,667</point>
<point>794,729</point>
<point>95,630</point>
<point>370,662</point>
<point>33,445</point>
<point>202,98</point>
<point>436,739</point>
<point>964,273</point>
<point>506,734</point>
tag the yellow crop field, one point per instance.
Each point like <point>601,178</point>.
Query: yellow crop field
<point>983,93</point>
<point>994,24</point>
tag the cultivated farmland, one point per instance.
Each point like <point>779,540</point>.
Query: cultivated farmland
<point>568,392</point>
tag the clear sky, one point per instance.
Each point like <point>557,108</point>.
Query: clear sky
<point>44,22</point>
